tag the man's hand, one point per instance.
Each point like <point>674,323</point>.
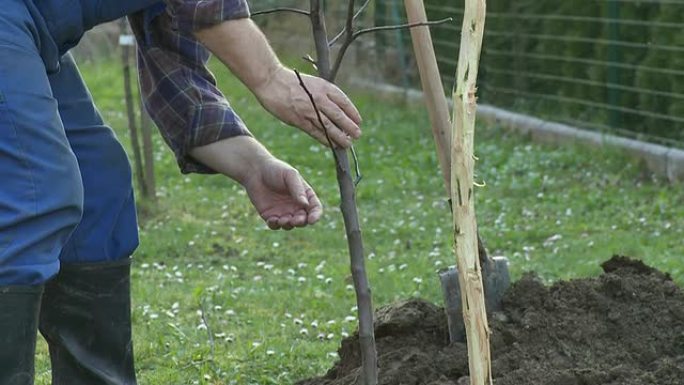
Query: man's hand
<point>241,46</point>
<point>283,96</point>
<point>282,197</point>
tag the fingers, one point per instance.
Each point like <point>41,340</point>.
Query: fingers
<point>311,207</point>
<point>313,131</point>
<point>341,120</point>
<point>296,187</point>
<point>338,137</point>
<point>315,207</point>
<point>342,101</point>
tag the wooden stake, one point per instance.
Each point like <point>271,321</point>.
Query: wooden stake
<point>130,110</point>
<point>462,195</point>
<point>430,79</point>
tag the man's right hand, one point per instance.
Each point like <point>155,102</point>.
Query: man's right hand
<point>242,47</point>
<point>284,97</point>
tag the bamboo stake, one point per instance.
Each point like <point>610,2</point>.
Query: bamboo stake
<point>462,183</point>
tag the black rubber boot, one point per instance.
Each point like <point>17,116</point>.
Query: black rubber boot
<point>86,319</point>
<point>19,306</point>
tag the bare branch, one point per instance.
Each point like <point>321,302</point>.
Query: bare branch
<point>349,26</point>
<point>400,26</point>
<point>344,30</point>
<point>318,115</point>
<point>363,8</point>
<point>281,9</point>
<point>320,35</point>
<point>310,60</point>
<point>355,35</point>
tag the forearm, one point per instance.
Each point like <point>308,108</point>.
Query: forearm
<point>243,48</point>
<point>238,157</point>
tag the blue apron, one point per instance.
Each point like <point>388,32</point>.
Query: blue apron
<point>65,181</point>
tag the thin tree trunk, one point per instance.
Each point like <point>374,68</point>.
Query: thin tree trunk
<point>369,365</point>
<point>462,184</point>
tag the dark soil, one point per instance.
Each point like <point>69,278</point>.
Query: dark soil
<point>625,327</point>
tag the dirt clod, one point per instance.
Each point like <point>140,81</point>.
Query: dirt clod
<point>625,327</point>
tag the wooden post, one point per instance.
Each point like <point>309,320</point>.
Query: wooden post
<point>430,79</point>
<point>148,153</point>
<point>462,194</point>
<point>126,42</point>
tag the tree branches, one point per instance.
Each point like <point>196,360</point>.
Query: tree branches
<point>347,35</point>
<point>281,9</point>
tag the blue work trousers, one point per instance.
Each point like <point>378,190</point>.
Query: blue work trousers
<point>65,181</point>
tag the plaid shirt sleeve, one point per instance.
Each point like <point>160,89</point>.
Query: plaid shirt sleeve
<point>178,89</point>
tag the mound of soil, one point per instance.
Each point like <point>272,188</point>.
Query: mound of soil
<point>625,327</point>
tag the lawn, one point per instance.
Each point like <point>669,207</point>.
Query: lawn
<point>220,299</point>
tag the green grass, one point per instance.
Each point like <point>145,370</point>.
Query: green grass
<point>558,211</point>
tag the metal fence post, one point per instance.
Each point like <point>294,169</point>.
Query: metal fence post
<point>613,75</point>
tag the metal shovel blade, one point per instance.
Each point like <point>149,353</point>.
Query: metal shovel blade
<point>496,279</point>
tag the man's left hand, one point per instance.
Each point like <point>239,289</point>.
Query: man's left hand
<point>282,197</point>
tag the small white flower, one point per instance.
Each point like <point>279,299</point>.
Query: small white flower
<point>303,332</point>
<point>418,280</point>
<point>229,312</point>
<point>297,321</point>
<point>270,352</point>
